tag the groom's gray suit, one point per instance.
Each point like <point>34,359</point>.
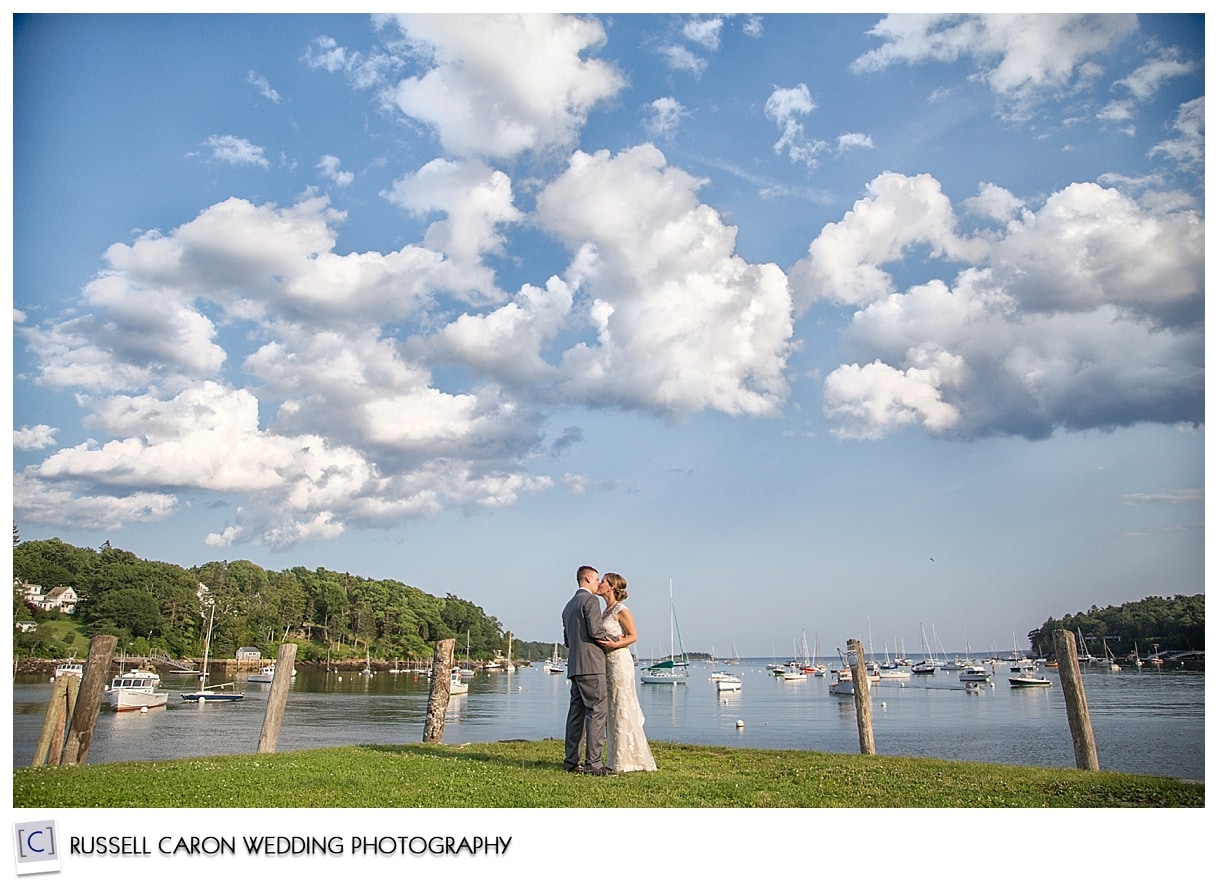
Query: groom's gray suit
<point>581,626</point>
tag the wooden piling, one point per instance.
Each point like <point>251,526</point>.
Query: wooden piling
<point>92,687</point>
<point>49,749</point>
<point>437,697</point>
<point>1085,756</point>
<point>862,695</point>
<point>281,683</point>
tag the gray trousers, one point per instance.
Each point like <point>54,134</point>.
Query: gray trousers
<point>586,721</point>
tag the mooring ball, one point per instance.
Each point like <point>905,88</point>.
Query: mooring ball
<point>740,724</point>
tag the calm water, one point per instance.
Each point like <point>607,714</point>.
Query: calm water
<point>1144,721</point>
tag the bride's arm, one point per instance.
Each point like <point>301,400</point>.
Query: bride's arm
<point>629,634</point>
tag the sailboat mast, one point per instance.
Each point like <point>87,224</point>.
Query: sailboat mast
<point>672,644</point>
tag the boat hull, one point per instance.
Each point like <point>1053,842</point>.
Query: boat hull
<point>210,697</point>
<point>121,700</point>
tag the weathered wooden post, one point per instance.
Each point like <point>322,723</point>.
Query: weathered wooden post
<point>437,698</point>
<point>88,702</point>
<point>1085,756</point>
<point>862,695</point>
<point>281,683</point>
<point>50,741</point>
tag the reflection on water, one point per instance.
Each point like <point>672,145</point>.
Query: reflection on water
<point>1144,721</point>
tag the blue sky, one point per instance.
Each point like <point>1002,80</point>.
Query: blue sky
<point>839,321</point>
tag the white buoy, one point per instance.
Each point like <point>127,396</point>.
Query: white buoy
<point>883,704</point>
<point>740,724</point>
<point>143,710</point>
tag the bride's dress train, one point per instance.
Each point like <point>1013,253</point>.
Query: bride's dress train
<point>626,748</point>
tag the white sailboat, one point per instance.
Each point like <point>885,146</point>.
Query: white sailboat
<point>672,669</point>
<point>211,694</point>
<point>555,665</point>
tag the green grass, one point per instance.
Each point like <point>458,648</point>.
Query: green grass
<point>528,774</point>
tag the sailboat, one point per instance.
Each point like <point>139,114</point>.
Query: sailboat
<point>672,669</point>
<point>555,666</point>
<point>467,670</point>
<point>1084,654</point>
<point>928,663</point>
<point>205,694</point>
<point>1110,659</point>
<point>508,665</point>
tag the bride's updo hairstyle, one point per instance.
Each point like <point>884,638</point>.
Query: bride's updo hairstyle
<point>618,584</point>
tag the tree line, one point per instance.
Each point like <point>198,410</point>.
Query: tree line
<point>1173,623</point>
<point>153,606</point>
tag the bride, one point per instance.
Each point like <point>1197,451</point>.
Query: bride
<point>626,748</point>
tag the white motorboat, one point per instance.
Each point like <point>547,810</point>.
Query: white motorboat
<point>974,674</point>
<point>893,674</point>
<point>728,683</point>
<point>266,674</point>
<point>842,683</point>
<point>69,668</point>
<point>135,691</point>
<point>1028,679</point>
<point>457,686</point>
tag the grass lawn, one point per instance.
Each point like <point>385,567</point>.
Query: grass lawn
<point>528,774</point>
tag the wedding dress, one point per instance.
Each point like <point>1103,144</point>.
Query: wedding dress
<point>626,748</point>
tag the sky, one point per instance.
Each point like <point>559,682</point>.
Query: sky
<point>842,326</point>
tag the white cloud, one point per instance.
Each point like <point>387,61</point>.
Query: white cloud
<point>753,27</point>
<point>854,141</point>
<point>329,165</point>
<point>682,59</point>
<point>1146,81</point>
<point>34,437</point>
<point>1085,313</point>
<point>666,116</point>
<point>476,199</point>
<point>704,32</point>
<point>786,107</point>
<point>236,151</point>
<point>1189,148</point>
<point>263,86</point>
<point>1024,58</point>
<point>682,323</point>
<point>500,85</point>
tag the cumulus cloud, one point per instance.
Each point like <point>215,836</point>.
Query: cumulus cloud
<point>1086,312</point>
<point>1024,58</point>
<point>236,151</point>
<point>498,86</point>
<point>682,322</point>
<point>34,437</point>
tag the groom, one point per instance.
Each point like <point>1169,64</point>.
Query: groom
<point>581,632</point>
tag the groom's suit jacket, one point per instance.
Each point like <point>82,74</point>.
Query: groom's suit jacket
<point>581,626</point>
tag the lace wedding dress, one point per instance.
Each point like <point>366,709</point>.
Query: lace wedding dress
<point>626,748</point>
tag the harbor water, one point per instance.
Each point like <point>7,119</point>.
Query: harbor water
<point>1146,721</point>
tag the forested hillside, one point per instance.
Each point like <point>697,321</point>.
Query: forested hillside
<point>151,605</point>
<point>1171,623</point>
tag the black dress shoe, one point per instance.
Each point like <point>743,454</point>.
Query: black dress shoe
<point>573,768</point>
<point>597,770</point>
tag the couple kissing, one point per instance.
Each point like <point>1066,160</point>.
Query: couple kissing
<point>604,723</point>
